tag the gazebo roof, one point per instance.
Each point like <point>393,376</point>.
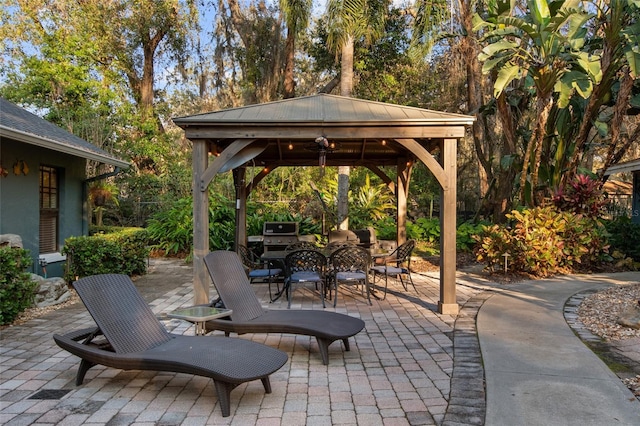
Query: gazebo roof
<point>324,108</point>
<point>359,132</point>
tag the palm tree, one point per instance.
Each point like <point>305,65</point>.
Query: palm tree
<point>350,21</point>
<point>296,13</point>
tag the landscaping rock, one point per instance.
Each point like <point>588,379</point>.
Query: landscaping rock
<point>630,317</point>
<point>50,291</point>
<point>11,240</point>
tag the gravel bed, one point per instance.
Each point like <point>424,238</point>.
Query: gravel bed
<point>599,313</point>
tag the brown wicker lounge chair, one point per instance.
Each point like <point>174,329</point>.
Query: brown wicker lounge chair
<point>130,337</point>
<point>249,316</point>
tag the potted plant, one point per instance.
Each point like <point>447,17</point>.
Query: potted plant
<point>101,192</point>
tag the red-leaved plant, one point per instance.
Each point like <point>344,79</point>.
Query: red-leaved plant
<point>583,195</point>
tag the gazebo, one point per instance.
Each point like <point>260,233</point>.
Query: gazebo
<point>326,130</point>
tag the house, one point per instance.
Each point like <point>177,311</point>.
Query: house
<point>633,167</point>
<point>43,185</point>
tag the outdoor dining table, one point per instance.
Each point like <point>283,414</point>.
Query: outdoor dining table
<point>278,256</point>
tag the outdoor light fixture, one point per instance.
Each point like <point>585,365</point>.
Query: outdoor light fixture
<point>322,145</point>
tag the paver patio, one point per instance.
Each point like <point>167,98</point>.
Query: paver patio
<point>400,369</point>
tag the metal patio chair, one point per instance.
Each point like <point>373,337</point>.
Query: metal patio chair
<point>350,265</point>
<point>397,265</point>
<point>260,270</point>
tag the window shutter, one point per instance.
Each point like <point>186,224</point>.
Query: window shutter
<point>48,233</point>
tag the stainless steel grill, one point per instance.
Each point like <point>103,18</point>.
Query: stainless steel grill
<point>278,235</point>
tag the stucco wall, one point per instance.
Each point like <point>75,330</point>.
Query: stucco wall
<point>19,197</point>
<point>635,207</point>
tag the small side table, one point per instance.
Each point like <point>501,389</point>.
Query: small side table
<point>199,315</point>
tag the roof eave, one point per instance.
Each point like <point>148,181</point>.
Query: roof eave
<point>457,121</point>
<point>628,166</point>
<point>57,146</point>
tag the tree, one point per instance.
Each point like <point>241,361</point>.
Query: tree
<point>296,13</point>
<point>546,46</point>
<point>617,37</point>
<point>448,36</point>
<point>260,54</point>
<point>349,20</point>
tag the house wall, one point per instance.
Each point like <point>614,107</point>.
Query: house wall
<point>635,207</point>
<point>19,198</point>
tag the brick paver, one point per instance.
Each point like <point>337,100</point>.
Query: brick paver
<point>410,366</point>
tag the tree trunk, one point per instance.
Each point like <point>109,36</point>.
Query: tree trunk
<point>343,197</point>
<point>615,154</point>
<point>289,83</point>
<point>346,87</point>
<point>474,94</point>
<point>543,107</point>
<point>346,68</point>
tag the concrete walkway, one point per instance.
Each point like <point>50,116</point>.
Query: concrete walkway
<point>537,371</point>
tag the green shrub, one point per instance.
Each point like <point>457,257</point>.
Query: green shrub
<point>543,241</point>
<point>386,229</point>
<point>171,230</point>
<point>624,236</point>
<point>16,288</point>
<point>122,252</point>
<point>429,229</point>
<point>465,235</point>
<point>492,244</point>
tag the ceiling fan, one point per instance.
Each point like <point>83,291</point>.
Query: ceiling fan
<point>323,146</point>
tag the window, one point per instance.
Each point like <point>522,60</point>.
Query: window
<point>48,209</point>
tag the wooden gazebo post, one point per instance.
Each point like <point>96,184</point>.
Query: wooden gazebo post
<point>240,206</point>
<point>402,192</point>
<point>447,303</point>
<point>200,222</point>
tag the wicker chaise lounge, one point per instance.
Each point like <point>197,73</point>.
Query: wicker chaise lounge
<point>130,337</point>
<point>249,316</point>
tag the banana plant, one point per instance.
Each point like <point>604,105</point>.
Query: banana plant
<point>545,45</point>
<point>617,37</point>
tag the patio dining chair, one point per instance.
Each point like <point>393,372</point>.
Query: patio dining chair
<point>305,266</point>
<point>260,270</point>
<point>397,265</point>
<point>335,245</point>
<point>301,245</point>
<point>349,264</point>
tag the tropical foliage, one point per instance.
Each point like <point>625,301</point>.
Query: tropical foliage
<point>543,241</point>
<point>553,84</point>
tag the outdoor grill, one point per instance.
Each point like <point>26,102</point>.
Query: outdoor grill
<point>278,235</point>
